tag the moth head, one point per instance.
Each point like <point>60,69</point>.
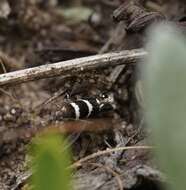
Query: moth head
<point>106,97</point>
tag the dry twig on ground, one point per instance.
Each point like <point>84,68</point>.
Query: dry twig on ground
<point>71,66</point>
<point>103,152</point>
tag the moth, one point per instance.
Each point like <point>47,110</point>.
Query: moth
<point>87,107</point>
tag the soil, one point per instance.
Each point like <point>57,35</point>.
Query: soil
<point>37,32</point>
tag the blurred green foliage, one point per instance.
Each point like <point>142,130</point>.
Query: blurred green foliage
<point>50,159</point>
<point>165,92</point>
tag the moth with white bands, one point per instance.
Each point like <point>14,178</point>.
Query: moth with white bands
<point>84,108</point>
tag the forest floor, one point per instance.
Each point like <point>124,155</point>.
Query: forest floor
<point>38,32</point>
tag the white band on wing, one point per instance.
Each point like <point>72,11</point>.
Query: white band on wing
<point>76,110</point>
<point>89,105</point>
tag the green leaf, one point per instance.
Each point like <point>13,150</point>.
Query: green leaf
<point>165,85</point>
<point>50,161</point>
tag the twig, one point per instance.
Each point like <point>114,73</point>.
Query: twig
<point>100,153</point>
<point>22,179</point>
<point>4,59</point>
<point>74,65</point>
<point>3,66</point>
<point>50,99</point>
<point>9,94</point>
<point>119,31</point>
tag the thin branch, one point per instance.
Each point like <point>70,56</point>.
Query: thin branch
<point>108,151</point>
<point>72,66</point>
